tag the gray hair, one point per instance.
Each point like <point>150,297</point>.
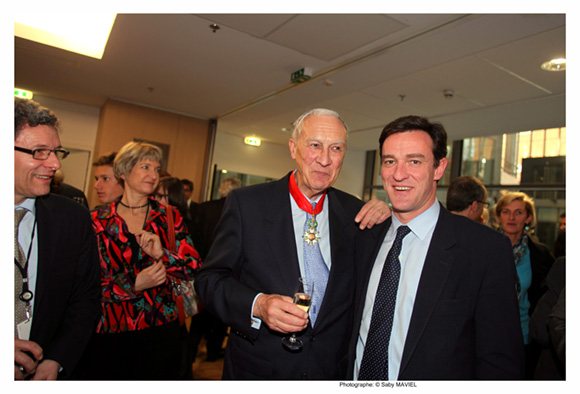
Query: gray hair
<point>228,185</point>
<point>298,123</point>
<point>132,153</point>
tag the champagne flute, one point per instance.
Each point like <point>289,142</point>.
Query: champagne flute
<point>302,299</point>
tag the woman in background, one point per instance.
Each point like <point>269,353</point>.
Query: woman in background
<point>516,216</point>
<point>138,336</point>
<point>170,191</point>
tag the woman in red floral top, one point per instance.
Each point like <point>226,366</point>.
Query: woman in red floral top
<point>138,336</point>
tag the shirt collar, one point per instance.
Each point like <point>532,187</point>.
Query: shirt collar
<point>423,224</point>
<point>28,204</point>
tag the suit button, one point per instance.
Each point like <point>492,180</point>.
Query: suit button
<point>304,376</point>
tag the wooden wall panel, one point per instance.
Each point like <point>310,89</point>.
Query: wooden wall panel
<point>187,137</point>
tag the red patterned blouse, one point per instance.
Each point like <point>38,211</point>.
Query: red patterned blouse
<point>123,308</point>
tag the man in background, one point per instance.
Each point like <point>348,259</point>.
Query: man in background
<point>58,186</point>
<point>467,196</point>
<point>57,277</point>
<point>192,206</point>
<point>108,187</point>
<point>205,323</point>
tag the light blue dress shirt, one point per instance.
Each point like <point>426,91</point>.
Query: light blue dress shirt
<point>412,258</point>
<point>298,220</point>
<point>24,238</point>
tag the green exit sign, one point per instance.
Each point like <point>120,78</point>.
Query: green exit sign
<point>302,75</point>
<point>25,94</point>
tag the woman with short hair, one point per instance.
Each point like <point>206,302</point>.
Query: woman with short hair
<point>138,336</point>
<point>516,215</point>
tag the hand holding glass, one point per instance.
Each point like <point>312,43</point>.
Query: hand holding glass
<point>302,299</point>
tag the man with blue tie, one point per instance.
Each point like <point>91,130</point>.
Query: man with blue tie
<point>56,265</point>
<point>271,234</point>
<point>437,299</point>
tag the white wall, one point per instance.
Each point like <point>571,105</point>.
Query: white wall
<point>273,161</point>
<point>79,124</point>
<point>78,132</point>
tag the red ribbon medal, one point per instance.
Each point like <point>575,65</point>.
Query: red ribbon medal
<point>311,235</point>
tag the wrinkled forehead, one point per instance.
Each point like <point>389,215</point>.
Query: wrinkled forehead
<point>38,137</point>
<point>324,127</point>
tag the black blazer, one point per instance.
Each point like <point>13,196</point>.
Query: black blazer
<point>68,288</point>
<point>255,251</point>
<point>541,260</point>
<point>465,320</point>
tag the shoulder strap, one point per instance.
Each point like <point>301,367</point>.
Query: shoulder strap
<point>170,228</point>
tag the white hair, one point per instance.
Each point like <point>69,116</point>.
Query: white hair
<point>298,123</point>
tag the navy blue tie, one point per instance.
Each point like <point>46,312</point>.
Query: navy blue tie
<point>375,361</point>
<point>316,271</point>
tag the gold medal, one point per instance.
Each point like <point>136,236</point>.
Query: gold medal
<point>311,236</point>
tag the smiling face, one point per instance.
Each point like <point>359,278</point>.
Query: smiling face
<point>319,152</point>
<point>32,177</point>
<point>107,187</point>
<point>143,177</point>
<point>408,173</point>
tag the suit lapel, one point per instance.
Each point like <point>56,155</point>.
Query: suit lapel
<point>279,233</point>
<point>48,231</point>
<point>340,234</point>
<point>438,262</point>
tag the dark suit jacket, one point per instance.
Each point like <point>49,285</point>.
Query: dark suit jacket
<point>255,251</point>
<point>68,290</point>
<point>465,320</point>
<point>209,213</point>
<point>541,260</point>
<point>64,189</point>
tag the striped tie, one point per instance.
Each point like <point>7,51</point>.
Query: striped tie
<point>20,257</point>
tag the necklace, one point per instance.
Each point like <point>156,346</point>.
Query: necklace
<point>137,207</point>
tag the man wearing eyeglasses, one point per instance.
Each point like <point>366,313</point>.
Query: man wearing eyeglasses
<point>56,266</point>
<point>466,196</point>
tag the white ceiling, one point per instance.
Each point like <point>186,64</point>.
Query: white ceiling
<point>378,66</point>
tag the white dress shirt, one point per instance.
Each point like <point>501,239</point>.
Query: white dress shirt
<point>412,258</point>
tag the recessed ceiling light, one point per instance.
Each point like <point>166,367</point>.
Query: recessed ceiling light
<point>86,35</point>
<point>554,65</point>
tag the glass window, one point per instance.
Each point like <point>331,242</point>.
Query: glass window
<point>532,161</point>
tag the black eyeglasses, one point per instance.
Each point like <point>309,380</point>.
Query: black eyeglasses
<point>485,203</point>
<point>43,154</point>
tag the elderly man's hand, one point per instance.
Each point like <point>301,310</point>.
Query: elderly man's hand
<point>280,313</point>
<point>373,212</point>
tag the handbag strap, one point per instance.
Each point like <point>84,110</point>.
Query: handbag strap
<point>170,229</point>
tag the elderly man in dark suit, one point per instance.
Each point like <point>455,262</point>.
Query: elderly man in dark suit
<point>57,284</point>
<point>437,300</point>
<point>260,251</point>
